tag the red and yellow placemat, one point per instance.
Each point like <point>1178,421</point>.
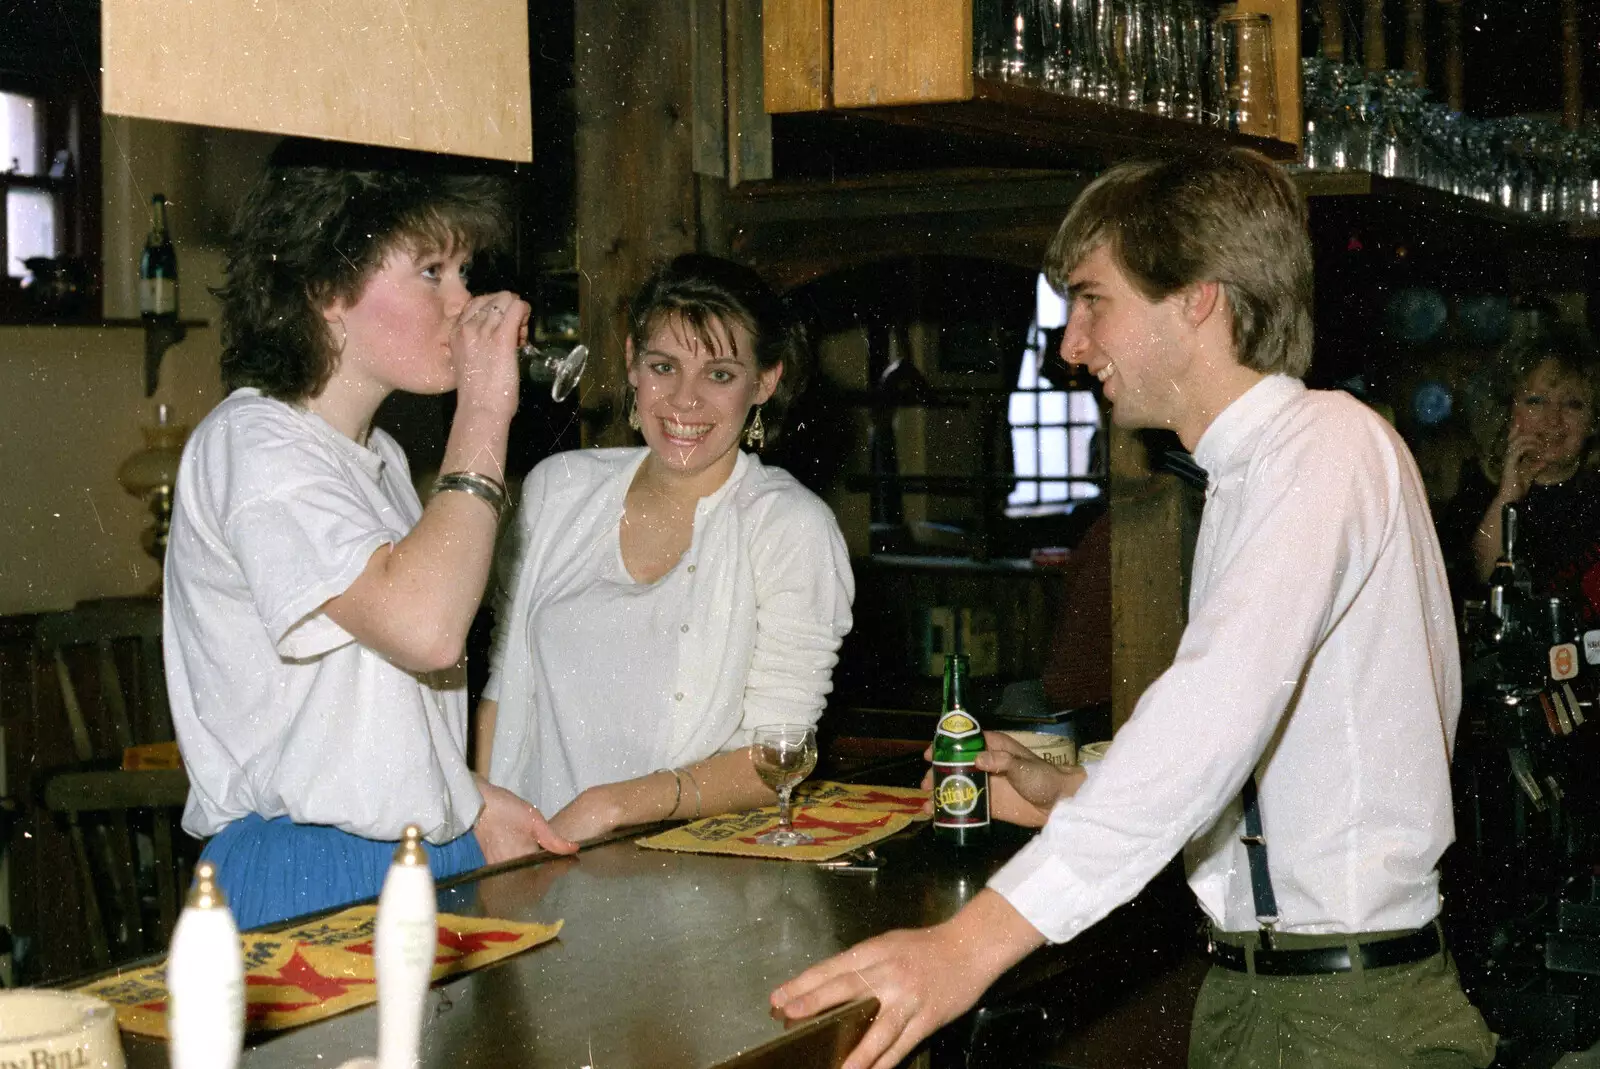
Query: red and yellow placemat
<point>841,817</point>
<point>324,968</point>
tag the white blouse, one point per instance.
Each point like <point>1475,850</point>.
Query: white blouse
<point>600,679</point>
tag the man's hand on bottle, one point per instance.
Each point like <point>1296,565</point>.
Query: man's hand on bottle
<point>1023,787</point>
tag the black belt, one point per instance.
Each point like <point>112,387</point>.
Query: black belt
<point>1402,950</point>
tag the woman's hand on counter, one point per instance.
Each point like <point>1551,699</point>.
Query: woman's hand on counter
<point>510,828</point>
<point>923,978</point>
<point>1023,787</point>
<point>594,813</point>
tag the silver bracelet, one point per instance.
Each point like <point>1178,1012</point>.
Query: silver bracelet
<point>678,798</point>
<point>697,804</point>
<point>490,491</point>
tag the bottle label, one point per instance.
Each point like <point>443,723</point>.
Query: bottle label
<point>960,795</point>
<point>1564,660</point>
<point>158,296</point>
<point>1591,647</point>
<point>957,725</point>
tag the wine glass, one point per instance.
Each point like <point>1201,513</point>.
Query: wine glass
<point>561,370</point>
<point>784,754</point>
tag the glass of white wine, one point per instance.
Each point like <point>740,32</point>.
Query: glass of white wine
<point>784,754</point>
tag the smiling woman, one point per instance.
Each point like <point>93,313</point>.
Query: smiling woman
<point>1544,461</point>
<point>669,600</point>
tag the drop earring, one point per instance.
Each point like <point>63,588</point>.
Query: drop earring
<point>633,411</point>
<point>756,433</point>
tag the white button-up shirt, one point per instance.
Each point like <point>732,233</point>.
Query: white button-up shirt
<point>1321,654</point>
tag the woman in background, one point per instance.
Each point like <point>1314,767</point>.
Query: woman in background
<point>669,599</point>
<point>1543,462</point>
<point>315,613</point>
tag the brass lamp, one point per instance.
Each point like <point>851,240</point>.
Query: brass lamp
<point>150,475</point>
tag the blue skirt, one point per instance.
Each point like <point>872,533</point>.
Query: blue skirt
<point>272,870</point>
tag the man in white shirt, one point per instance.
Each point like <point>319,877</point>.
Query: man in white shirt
<point>1318,673</point>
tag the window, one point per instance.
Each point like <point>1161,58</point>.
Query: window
<point>1057,457</point>
<point>33,225</point>
<point>50,157</point>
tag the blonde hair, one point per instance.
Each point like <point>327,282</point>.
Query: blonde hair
<point>1230,217</point>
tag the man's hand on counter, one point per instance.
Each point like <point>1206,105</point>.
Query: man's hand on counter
<point>923,978</point>
<point>1023,787</point>
<point>510,828</point>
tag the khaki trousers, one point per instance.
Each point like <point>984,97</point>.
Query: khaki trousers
<point>1398,1017</point>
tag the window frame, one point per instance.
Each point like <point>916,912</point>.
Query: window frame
<point>71,121</point>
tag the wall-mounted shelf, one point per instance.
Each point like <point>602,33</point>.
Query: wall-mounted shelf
<point>1436,203</point>
<point>1068,128</point>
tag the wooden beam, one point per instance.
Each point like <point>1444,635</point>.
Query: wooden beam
<point>635,176</point>
<point>749,125</point>
<point>1417,38</point>
<point>1374,49</point>
<point>1333,30</point>
<point>1571,67</point>
<point>1454,65</point>
<point>797,54</point>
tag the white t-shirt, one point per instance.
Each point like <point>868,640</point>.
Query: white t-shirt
<point>277,709</point>
<point>600,679</point>
<point>1321,654</point>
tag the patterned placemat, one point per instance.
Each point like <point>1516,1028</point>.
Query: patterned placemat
<point>324,968</point>
<point>841,817</point>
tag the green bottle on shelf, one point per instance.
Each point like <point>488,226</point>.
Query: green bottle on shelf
<point>960,790</point>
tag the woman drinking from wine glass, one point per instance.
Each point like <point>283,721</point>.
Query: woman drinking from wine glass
<point>669,600</point>
<point>316,613</point>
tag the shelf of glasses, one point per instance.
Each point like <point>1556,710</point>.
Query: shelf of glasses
<point>1017,114</point>
<point>1438,201</point>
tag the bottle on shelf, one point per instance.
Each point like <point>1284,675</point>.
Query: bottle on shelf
<point>158,267</point>
<point>960,789</point>
<point>205,980</point>
<point>403,950</point>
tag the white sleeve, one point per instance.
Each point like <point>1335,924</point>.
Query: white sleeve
<point>1312,518</point>
<point>803,587</point>
<point>299,543</point>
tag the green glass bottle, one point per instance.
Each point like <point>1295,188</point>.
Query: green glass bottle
<point>960,790</point>
<point>158,267</point>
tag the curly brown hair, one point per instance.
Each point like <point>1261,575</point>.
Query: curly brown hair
<point>309,234</point>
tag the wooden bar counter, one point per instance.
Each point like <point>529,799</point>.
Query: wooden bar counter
<point>666,961</point>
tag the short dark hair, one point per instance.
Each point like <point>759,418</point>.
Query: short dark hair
<point>309,234</point>
<point>703,290</point>
<point>1231,217</point>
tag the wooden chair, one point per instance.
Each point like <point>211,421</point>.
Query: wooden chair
<point>106,659</point>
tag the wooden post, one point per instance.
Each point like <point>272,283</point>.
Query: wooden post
<point>1454,67</point>
<point>1333,30</point>
<point>1152,534</point>
<point>635,175</point>
<point>1374,50</point>
<point>1571,67</point>
<point>1417,39</point>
